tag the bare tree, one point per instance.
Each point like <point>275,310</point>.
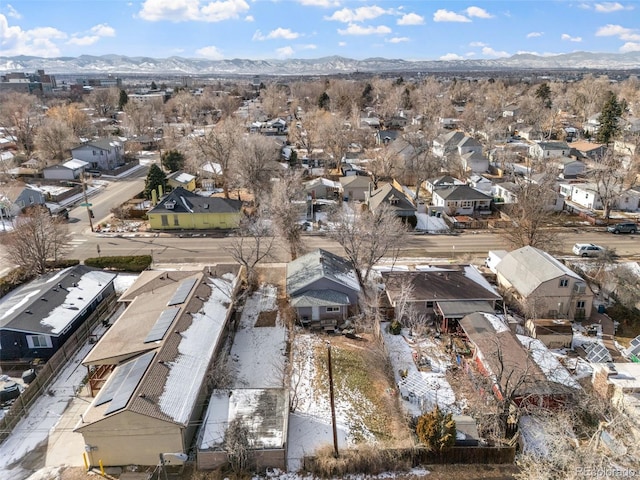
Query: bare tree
<point>77,120</point>
<point>305,133</point>
<point>274,99</point>
<point>35,239</point>
<point>531,215</point>
<point>104,101</point>
<point>625,283</point>
<point>252,244</point>
<point>255,164</point>
<point>219,145</point>
<point>367,237</point>
<point>54,139</point>
<point>139,117</point>
<point>20,115</point>
<point>287,206</point>
<point>383,164</point>
<point>237,443</point>
<point>610,177</point>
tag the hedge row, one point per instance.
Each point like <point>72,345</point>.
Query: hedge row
<point>131,263</point>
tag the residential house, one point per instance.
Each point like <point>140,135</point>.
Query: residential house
<point>521,368</point>
<point>544,286</point>
<point>443,294</point>
<point>397,121</point>
<point>466,148</point>
<point>553,332</point>
<point>586,195</point>
<point>447,143</point>
<point>323,289</point>
<point>584,149</point>
<point>443,181</point>
<point>462,200</point>
<point>395,199</point>
<point>15,197</point>
<point>480,183</point>
<point>70,170</point>
<point>355,187</point>
<point>323,188</point>
<point>448,122</point>
<point>545,150</point>
<point>569,167</point>
<point>37,318</point>
<point>529,133</point>
<point>474,162</point>
<point>511,111</point>
<point>149,371</point>
<point>372,122</point>
<point>385,137</point>
<point>181,179</point>
<point>185,210</point>
<point>508,193</point>
<point>592,125</point>
<point>104,154</point>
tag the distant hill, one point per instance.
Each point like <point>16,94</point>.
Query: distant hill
<point>87,64</point>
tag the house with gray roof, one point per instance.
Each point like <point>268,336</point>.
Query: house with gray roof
<point>103,154</point>
<point>542,150</point>
<point>461,200</point>
<point>395,199</point>
<point>148,372</point>
<point>69,170</point>
<point>37,318</point>
<point>323,288</point>
<point>17,196</point>
<point>355,187</point>
<point>544,287</point>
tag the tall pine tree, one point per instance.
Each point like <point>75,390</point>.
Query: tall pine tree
<point>609,119</point>
<point>155,178</point>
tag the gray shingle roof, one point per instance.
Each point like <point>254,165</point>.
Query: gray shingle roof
<point>461,192</point>
<point>184,201</point>
<point>313,266</point>
<point>392,196</point>
<point>320,298</point>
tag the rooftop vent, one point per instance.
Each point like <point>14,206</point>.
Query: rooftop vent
<point>170,204</point>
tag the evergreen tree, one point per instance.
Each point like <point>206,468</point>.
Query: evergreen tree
<point>436,430</point>
<point>123,100</point>
<point>324,101</point>
<point>173,160</point>
<point>154,86</point>
<point>155,178</point>
<point>543,92</point>
<point>609,119</point>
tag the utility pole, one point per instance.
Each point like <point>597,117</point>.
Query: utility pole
<point>332,401</point>
<point>86,201</point>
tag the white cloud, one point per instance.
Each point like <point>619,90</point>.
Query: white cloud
<point>411,19</point>
<point>319,3</point>
<point>211,52</point>
<point>284,52</point>
<point>493,53</point>
<point>282,33</point>
<point>451,56</point>
<point>443,15</point>
<point>12,12</point>
<point>569,38</point>
<point>361,14</point>
<point>309,46</point>
<point>608,7</point>
<point>183,10</point>
<point>38,42</point>
<point>83,41</point>
<point>354,29</point>
<point>249,18</point>
<point>477,44</point>
<point>103,30</point>
<point>342,44</point>
<point>398,39</point>
<point>478,12</point>
<point>534,34</point>
<point>619,31</point>
<point>630,47</point>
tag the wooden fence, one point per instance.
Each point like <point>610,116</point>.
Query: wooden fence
<point>51,369</point>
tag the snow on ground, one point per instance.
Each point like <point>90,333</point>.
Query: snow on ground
<point>420,390</point>
<point>280,475</point>
<point>258,353</point>
<point>427,223</point>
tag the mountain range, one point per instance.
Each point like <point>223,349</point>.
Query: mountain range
<point>120,64</point>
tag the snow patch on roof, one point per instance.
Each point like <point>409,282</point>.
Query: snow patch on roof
<point>496,322</point>
<point>78,297</point>
<point>195,351</point>
<point>548,363</point>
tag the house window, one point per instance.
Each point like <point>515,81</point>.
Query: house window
<point>176,221</point>
<point>333,309</point>
<point>39,341</point>
<point>94,152</point>
<point>564,282</point>
<point>580,304</point>
<point>429,304</point>
<point>165,220</point>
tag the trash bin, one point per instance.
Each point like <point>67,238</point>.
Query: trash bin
<point>601,308</point>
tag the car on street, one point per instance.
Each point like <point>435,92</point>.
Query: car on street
<point>587,250</point>
<point>623,227</point>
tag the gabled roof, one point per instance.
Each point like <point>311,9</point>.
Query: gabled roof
<point>181,200</point>
<point>450,139</point>
<point>469,142</point>
<point>74,164</point>
<point>445,180</point>
<point>355,181</point>
<point>461,192</point>
<point>52,301</point>
<point>553,145</point>
<point>391,196</point>
<point>528,267</point>
<point>309,268</point>
<point>322,181</point>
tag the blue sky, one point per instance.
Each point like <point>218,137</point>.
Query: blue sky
<point>267,29</point>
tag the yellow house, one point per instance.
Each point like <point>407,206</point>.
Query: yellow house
<point>184,210</point>
<point>181,179</point>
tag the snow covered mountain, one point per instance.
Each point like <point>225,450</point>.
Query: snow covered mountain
<point>87,64</point>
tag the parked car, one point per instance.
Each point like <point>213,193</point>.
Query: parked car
<point>623,227</point>
<point>587,250</point>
